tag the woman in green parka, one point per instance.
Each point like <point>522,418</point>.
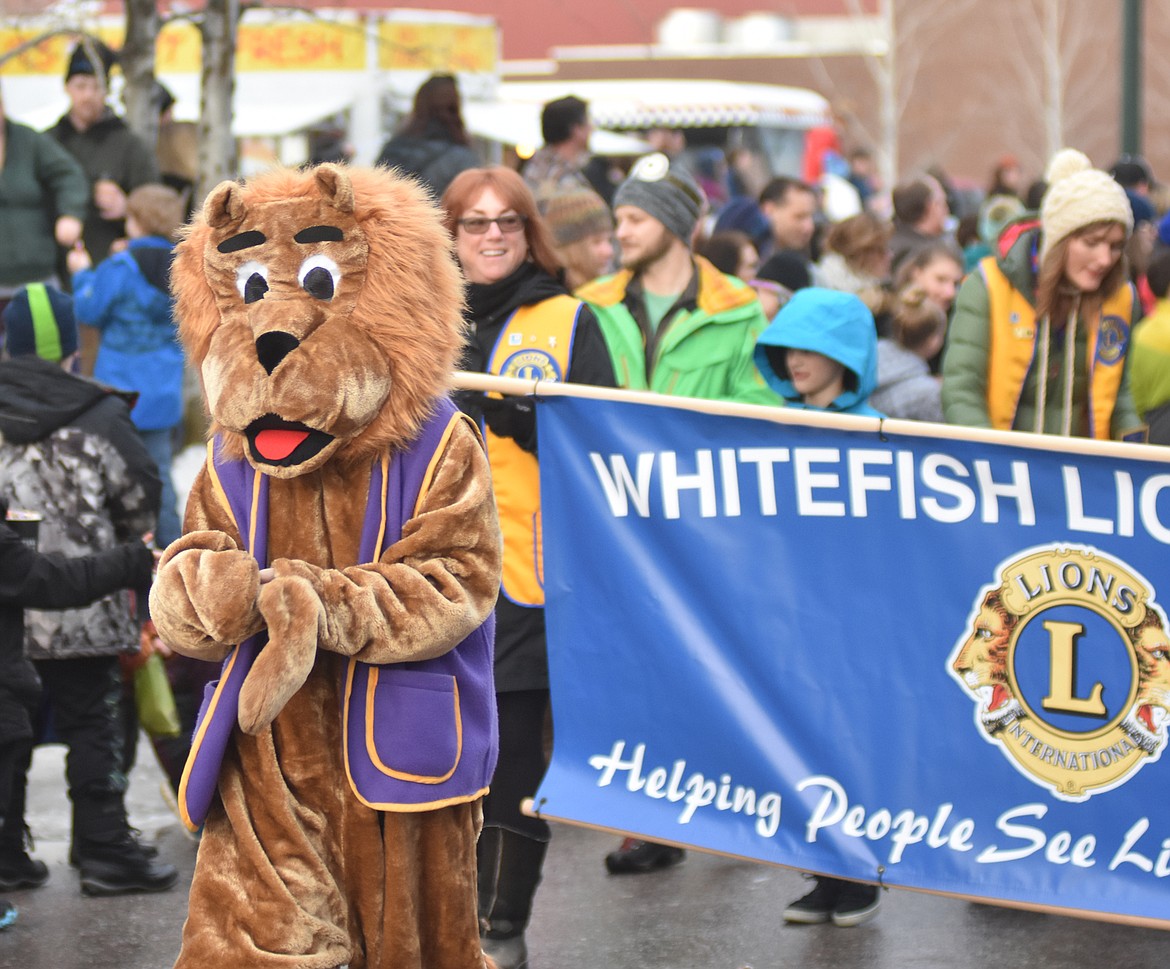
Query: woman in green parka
<point>1040,334</point>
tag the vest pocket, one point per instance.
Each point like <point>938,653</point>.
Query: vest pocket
<point>413,724</point>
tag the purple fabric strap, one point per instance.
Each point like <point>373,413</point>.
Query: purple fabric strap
<point>401,731</point>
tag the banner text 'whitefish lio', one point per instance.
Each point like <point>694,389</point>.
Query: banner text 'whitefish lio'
<point>831,482</point>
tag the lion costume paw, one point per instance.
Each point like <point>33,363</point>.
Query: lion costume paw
<point>294,614</point>
<point>205,595</point>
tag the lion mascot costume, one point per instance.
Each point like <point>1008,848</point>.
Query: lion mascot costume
<point>341,556</point>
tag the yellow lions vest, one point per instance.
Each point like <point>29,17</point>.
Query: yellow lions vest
<point>1013,346</point>
<point>534,344</point>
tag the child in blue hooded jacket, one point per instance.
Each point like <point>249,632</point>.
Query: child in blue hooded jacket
<point>820,353</point>
<point>127,298</point>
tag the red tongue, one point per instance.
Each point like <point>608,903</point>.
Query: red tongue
<point>1146,716</point>
<point>999,695</point>
<point>278,445</point>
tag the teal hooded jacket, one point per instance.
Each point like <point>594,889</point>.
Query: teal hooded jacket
<point>825,321</point>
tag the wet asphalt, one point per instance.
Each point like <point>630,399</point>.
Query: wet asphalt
<point>708,913</point>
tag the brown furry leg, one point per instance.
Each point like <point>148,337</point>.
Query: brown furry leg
<point>429,916</point>
<point>269,890</point>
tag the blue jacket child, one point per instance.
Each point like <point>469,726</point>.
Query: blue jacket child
<point>127,298</point>
<point>835,325</point>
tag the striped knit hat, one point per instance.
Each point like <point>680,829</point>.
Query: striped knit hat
<point>39,321</point>
<point>576,215</point>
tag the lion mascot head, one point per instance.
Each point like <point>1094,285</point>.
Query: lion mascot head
<point>1146,722</point>
<point>980,662</point>
<point>322,309</point>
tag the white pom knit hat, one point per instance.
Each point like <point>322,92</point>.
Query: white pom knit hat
<point>1079,195</point>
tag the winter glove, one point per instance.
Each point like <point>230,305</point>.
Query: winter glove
<point>513,417</point>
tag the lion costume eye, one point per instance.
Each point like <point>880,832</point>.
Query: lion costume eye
<point>252,281</point>
<point>319,276</point>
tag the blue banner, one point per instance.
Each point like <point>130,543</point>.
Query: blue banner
<point>930,662</point>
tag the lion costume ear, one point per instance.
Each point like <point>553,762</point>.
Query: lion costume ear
<point>224,206</point>
<point>335,186</point>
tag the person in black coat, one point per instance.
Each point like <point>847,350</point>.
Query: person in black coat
<point>32,579</point>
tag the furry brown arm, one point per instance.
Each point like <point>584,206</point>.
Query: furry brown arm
<point>204,599</point>
<point>429,590</point>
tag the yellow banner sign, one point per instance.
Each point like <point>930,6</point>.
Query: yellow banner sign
<point>454,48</point>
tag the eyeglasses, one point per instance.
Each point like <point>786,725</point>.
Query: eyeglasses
<point>477,225</point>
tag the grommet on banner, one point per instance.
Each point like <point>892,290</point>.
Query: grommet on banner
<point>531,808</point>
<point>881,432</point>
<point>881,877</point>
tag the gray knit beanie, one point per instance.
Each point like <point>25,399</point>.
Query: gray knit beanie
<point>668,194</point>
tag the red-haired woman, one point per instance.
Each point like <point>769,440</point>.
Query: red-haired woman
<point>522,323</point>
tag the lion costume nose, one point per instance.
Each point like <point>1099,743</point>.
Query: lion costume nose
<point>273,347</point>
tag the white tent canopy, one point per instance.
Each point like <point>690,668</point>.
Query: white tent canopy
<point>265,104</point>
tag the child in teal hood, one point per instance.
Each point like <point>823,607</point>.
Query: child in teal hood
<point>820,353</point>
<point>828,324</point>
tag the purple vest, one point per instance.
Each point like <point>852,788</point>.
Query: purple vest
<point>415,735</point>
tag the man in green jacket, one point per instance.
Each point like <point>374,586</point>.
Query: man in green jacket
<point>676,325</point>
<point>673,323</point>
<point>43,198</point>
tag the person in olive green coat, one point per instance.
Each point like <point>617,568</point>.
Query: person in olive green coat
<point>43,199</point>
<point>673,323</point>
<point>1040,336</point>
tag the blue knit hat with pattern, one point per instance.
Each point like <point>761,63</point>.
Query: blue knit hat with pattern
<point>39,321</point>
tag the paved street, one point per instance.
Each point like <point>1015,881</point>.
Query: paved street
<point>709,913</point>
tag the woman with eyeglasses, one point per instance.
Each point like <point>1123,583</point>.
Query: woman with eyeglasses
<point>521,323</point>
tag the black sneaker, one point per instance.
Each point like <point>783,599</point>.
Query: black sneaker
<point>148,849</point>
<point>635,856</point>
<point>7,914</point>
<point>122,868</point>
<point>18,870</point>
<point>857,903</point>
<point>818,905</point>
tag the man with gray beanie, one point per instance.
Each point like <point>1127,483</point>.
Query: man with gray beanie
<point>673,322</point>
<point>676,325</point>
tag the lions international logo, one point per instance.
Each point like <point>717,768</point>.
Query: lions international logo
<point>1069,661</point>
<point>531,364</point>
<point>1112,339</point>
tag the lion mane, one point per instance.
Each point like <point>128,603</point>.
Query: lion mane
<point>389,334</point>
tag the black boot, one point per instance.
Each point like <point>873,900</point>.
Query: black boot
<point>122,868</point>
<point>111,860</point>
<point>509,871</point>
<point>17,869</point>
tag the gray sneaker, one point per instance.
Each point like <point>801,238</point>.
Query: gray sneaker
<point>856,904</point>
<point>507,953</point>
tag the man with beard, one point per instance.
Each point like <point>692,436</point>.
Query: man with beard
<point>115,160</point>
<point>676,325</point>
<point>672,321</point>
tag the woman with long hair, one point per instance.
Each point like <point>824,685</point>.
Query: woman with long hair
<point>1039,337</point>
<point>521,321</point>
<point>432,145</point>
